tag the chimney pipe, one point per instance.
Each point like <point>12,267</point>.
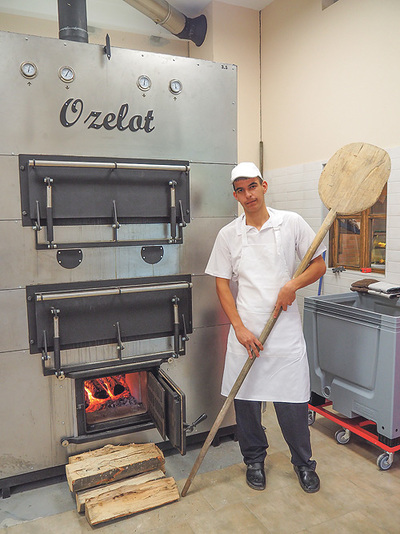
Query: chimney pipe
<point>72,20</point>
<point>161,12</point>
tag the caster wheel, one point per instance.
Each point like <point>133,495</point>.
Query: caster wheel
<point>311,417</point>
<point>384,461</point>
<point>342,436</point>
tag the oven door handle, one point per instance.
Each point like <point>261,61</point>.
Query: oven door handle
<point>175,303</point>
<point>190,427</point>
<point>37,226</point>
<point>120,346</point>
<point>56,341</point>
<point>173,184</point>
<point>185,336</point>
<point>183,222</point>
<point>49,209</point>
<point>179,341</point>
<point>116,223</point>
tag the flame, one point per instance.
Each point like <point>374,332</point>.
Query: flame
<point>99,391</point>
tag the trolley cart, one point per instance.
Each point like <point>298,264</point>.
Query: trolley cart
<point>356,425</point>
<point>353,348</point>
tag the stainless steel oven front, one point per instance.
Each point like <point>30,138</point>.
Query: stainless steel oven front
<point>111,197</point>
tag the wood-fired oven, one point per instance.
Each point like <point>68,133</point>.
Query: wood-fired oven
<point>111,195</point>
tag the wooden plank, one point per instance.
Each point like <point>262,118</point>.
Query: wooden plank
<point>96,470</point>
<point>84,495</point>
<point>116,504</point>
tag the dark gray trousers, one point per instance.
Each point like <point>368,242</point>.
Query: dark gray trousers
<point>293,420</point>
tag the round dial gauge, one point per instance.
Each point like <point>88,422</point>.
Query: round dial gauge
<point>28,69</point>
<point>144,82</point>
<point>66,74</point>
<point>175,86</point>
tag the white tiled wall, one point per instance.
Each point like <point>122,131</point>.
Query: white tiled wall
<point>296,189</point>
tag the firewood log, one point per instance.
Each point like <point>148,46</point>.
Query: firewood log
<point>130,500</point>
<point>84,495</point>
<point>95,470</point>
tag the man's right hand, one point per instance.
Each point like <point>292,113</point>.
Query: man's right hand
<point>249,341</point>
<point>243,335</point>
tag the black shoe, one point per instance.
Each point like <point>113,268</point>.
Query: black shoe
<point>308,478</point>
<point>255,476</point>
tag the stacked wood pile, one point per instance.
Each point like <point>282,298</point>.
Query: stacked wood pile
<point>118,481</point>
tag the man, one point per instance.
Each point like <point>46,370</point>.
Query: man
<point>258,251</point>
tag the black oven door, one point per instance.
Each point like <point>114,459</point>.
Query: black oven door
<point>167,406</point>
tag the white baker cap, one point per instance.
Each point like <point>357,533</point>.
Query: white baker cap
<point>246,169</point>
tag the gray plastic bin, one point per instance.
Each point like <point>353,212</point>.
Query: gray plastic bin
<point>353,345</point>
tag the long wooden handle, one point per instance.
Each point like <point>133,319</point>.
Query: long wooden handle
<point>329,219</point>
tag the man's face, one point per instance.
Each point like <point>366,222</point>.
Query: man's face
<point>250,193</point>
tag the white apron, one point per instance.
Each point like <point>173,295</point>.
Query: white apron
<point>281,372</point>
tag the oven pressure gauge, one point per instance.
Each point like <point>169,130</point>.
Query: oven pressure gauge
<point>66,74</point>
<point>28,69</point>
<point>175,86</point>
<point>144,82</point>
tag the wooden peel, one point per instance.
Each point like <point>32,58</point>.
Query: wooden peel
<point>351,182</point>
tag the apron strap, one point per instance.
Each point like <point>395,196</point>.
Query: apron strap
<point>244,232</point>
<point>279,248</point>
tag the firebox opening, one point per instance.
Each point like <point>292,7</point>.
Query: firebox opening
<point>115,397</point>
<point>134,401</point>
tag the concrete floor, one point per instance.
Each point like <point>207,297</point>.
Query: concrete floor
<point>355,495</point>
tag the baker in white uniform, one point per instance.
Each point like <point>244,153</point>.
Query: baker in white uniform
<point>258,251</point>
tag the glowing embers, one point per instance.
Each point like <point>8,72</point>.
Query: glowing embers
<point>117,396</point>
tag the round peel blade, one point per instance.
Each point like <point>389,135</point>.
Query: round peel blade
<point>354,177</point>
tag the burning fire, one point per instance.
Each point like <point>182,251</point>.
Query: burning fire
<point>101,391</point>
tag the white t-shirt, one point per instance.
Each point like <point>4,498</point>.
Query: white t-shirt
<point>297,237</point>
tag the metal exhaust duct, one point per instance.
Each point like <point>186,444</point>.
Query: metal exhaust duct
<point>161,12</point>
<point>72,20</point>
